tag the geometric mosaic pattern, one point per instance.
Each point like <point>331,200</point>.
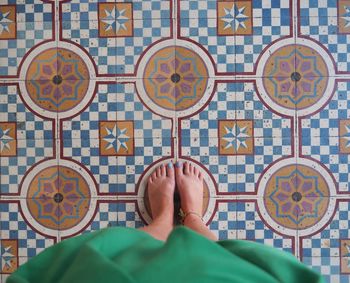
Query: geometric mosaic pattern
<point>95,95</point>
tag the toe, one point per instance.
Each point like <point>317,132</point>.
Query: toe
<point>191,168</point>
<point>170,170</point>
<point>187,168</point>
<point>200,176</point>
<point>158,172</point>
<point>163,170</point>
<point>179,169</point>
<point>195,171</point>
<point>154,175</point>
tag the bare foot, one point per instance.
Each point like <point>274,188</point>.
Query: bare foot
<point>161,187</point>
<point>189,182</point>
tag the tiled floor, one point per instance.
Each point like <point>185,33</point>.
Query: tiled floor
<point>94,96</point>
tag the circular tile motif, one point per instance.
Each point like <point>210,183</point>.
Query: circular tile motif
<point>295,76</point>
<point>58,197</point>
<point>296,197</point>
<point>175,78</point>
<point>57,79</point>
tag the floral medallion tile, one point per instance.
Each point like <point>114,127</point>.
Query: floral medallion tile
<point>95,95</point>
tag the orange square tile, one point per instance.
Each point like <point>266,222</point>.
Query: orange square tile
<point>345,256</point>
<point>8,139</point>
<point>344,136</point>
<point>9,255</point>
<point>116,138</point>
<point>115,19</point>
<point>234,17</point>
<point>8,28</point>
<point>344,16</point>
<point>236,137</point>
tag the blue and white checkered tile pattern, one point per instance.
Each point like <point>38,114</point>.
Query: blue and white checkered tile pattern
<point>325,31</point>
<point>329,267</point>
<point>313,8</point>
<point>13,168</point>
<point>127,216</point>
<point>13,226</point>
<point>12,51</point>
<point>236,101</point>
<point>146,152</point>
<point>234,53</point>
<point>321,251</point>
<point>326,150</point>
<point>86,10</point>
<point>106,216</point>
<point>205,151</point>
<point>266,123</point>
<point>239,220</point>
<point>326,122</point>
<point>146,123</point>
<point>250,227</point>
<point>146,32</point>
<point>12,109</point>
<point>81,10</point>
<point>103,168</point>
<point>204,31</point>
<point>102,108</point>
<point>265,31</point>
<point>326,243</point>
<point>221,107</point>
<point>101,49</point>
<point>250,167</point>
<point>31,10</point>
<point>235,173</point>
<point>207,8</point>
<point>224,221</point>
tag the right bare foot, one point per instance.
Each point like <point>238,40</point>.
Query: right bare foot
<point>189,182</point>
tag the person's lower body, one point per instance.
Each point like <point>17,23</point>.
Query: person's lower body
<point>161,189</point>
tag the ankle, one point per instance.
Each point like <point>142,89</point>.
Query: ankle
<point>191,217</point>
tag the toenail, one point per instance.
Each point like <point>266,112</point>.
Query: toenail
<point>178,164</point>
<point>170,165</point>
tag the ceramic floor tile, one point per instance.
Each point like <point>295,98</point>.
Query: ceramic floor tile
<point>143,157</point>
<point>143,35</point>
<point>146,121</point>
<point>330,152</point>
<point>95,95</point>
<point>329,267</point>
<point>15,231</point>
<point>21,39</point>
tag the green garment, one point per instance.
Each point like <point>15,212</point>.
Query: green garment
<point>129,255</point>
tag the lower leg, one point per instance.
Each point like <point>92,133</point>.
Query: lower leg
<point>195,223</point>
<point>189,181</point>
<point>161,187</point>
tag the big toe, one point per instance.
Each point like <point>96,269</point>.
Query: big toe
<point>179,169</point>
<point>170,170</point>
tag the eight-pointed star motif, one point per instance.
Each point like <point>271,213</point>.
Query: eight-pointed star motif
<point>115,20</point>
<point>5,139</point>
<point>6,256</point>
<point>4,22</point>
<point>235,137</point>
<point>347,136</point>
<point>234,18</point>
<point>346,16</point>
<point>116,138</point>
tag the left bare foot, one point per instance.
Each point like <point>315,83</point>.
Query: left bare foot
<point>161,187</point>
